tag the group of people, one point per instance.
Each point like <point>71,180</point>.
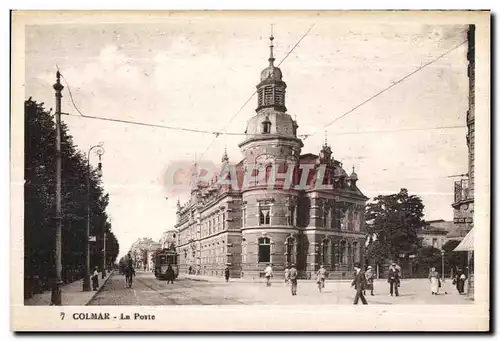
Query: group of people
<point>362,280</point>
<point>436,284</point>
<point>291,275</point>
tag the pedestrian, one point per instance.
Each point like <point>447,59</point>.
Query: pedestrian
<point>293,279</point>
<point>170,274</point>
<point>268,272</point>
<point>287,275</point>
<point>393,279</point>
<point>434,281</point>
<point>322,276</point>
<point>226,274</point>
<point>95,279</point>
<point>459,281</point>
<point>190,270</point>
<point>370,276</point>
<point>318,282</point>
<point>359,283</point>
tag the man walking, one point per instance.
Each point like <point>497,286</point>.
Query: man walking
<point>321,274</point>
<point>359,284</point>
<point>268,272</point>
<point>393,279</point>
<point>293,279</point>
<point>226,274</point>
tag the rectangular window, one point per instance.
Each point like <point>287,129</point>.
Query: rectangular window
<point>264,250</point>
<point>244,215</point>
<point>223,221</point>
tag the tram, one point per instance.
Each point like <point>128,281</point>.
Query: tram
<point>163,258</point>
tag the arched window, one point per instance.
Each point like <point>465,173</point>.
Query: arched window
<point>266,126</point>
<point>355,251</point>
<point>349,254</point>
<point>264,250</point>
<point>326,252</point>
<point>342,252</point>
<point>290,250</point>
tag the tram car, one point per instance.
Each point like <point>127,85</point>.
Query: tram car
<point>163,259</point>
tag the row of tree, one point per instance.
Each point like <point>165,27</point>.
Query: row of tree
<point>392,226</point>
<point>40,205</point>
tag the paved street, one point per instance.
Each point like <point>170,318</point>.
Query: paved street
<point>147,290</point>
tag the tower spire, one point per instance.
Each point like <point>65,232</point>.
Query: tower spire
<point>271,47</point>
<point>326,138</point>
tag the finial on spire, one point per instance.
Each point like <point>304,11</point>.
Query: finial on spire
<point>326,138</point>
<point>271,46</point>
<point>225,158</point>
<point>353,169</point>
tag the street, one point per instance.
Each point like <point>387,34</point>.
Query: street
<point>147,290</point>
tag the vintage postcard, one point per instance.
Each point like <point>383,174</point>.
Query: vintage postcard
<point>250,171</point>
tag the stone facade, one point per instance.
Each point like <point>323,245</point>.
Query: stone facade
<point>256,221</point>
<point>463,204</point>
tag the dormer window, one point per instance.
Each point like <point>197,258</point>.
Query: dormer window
<point>266,126</point>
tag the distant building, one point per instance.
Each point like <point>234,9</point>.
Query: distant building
<point>168,239</point>
<point>435,233</point>
<point>141,251</point>
<point>248,227</point>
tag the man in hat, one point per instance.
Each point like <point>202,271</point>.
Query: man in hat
<point>359,283</point>
<point>293,279</point>
<point>393,279</point>
<point>321,275</point>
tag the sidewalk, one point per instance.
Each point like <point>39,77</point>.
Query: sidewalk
<point>72,294</point>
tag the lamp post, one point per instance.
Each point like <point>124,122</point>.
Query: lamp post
<point>442,264</point>
<point>56,288</point>
<point>99,150</point>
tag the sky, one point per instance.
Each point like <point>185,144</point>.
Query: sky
<point>198,72</point>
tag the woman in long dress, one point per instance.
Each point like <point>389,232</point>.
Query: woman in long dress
<point>434,279</point>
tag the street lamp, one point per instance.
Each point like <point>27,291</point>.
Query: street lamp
<point>442,264</point>
<point>99,150</point>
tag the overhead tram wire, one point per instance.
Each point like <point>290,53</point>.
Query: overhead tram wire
<point>305,136</point>
<point>255,91</point>
<point>200,131</point>
<point>388,88</point>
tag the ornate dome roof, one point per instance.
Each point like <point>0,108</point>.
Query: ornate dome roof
<point>271,73</point>
<point>281,124</point>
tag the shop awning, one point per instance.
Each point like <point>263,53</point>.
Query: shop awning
<point>467,244</point>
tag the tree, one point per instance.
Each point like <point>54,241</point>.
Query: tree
<point>427,257</point>
<point>392,223</point>
<point>39,203</point>
<point>453,259</point>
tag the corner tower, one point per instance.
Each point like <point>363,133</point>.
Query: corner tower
<point>269,212</point>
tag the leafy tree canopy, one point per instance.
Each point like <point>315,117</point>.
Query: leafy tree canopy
<point>392,223</point>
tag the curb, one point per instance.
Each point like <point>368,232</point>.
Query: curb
<point>100,288</point>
